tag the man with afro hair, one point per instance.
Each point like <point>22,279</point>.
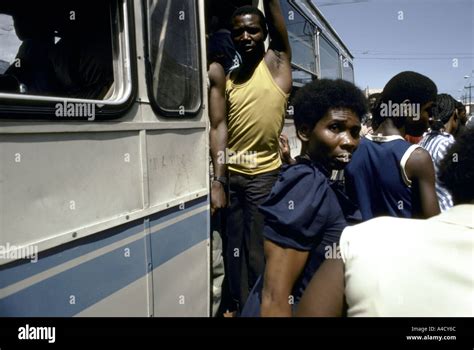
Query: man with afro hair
<point>388,175</point>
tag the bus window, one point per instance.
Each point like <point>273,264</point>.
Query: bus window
<point>174,56</point>
<point>301,77</point>
<point>329,60</point>
<point>59,51</point>
<point>301,34</point>
<point>347,70</point>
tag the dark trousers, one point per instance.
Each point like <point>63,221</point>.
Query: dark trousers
<point>244,258</point>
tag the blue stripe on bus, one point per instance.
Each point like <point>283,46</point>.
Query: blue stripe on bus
<point>15,272</point>
<point>184,234</point>
<point>74,290</point>
<point>95,280</point>
<point>174,212</point>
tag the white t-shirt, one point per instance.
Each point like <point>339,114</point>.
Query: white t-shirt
<point>415,268</point>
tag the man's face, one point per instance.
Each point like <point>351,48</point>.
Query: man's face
<point>372,102</point>
<point>334,138</point>
<point>248,34</point>
<point>417,126</point>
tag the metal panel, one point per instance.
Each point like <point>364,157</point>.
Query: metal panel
<point>75,277</point>
<point>181,287</point>
<point>63,182</point>
<point>177,163</point>
<point>130,301</point>
<point>181,261</point>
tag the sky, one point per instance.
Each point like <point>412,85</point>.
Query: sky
<point>432,37</point>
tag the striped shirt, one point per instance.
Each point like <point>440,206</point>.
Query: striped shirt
<point>437,144</point>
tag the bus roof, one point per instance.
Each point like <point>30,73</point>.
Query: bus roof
<point>323,24</point>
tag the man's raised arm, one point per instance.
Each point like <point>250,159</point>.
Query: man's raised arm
<point>279,41</point>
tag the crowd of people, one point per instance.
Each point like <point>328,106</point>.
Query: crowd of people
<point>391,236</point>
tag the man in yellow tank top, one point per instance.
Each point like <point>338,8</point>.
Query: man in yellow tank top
<point>257,94</point>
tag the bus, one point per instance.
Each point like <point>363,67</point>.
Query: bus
<point>104,175</point>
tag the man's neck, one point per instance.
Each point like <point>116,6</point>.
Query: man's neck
<point>388,128</point>
<point>304,154</point>
<point>448,128</point>
<point>249,63</point>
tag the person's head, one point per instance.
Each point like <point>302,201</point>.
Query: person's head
<point>407,100</point>
<point>373,99</point>
<point>457,169</point>
<point>327,116</point>
<point>462,116</point>
<point>249,31</point>
<point>444,114</point>
<point>220,48</point>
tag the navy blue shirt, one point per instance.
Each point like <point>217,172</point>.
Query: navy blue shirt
<point>303,213</point>
<point>375,178</point>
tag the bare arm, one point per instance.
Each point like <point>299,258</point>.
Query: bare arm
<point>420,171</point>
<point>324,296</point>
<point>218,132</point>
<point>277,28</point>
<point>278,57</point>
<point>285,151</point>
<point>283,267</point>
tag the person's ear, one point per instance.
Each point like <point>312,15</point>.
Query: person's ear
<point>304,132</point>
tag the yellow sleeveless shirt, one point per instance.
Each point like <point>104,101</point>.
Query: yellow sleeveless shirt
<point>256,114</point>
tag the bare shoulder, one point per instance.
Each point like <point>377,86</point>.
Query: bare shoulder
<point>419,156</point>
<point>216,73</point>
<point>419,163</point>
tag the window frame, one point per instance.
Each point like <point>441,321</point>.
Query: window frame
<point>314,47</point>
<point>328,41</point>
<point>295,66</point>
<point>171,114</point>
<point>21,107</point>
<point>351,65</point>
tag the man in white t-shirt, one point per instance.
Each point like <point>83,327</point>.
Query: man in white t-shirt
<point>405,267</point>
